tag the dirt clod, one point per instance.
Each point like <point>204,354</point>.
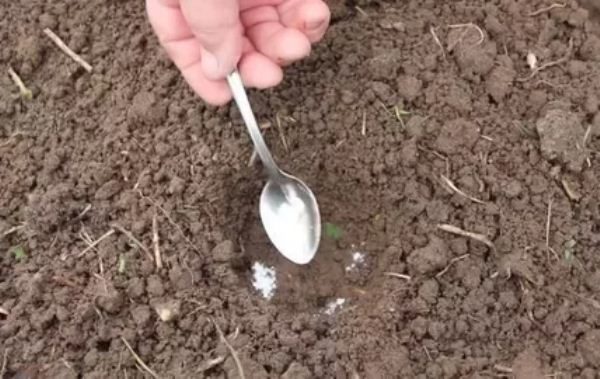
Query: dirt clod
<point>111,302</point>
<point>588,345</point>
<point>561,138</point>
<point>433,257</point>
<point>296,371</point>
<point>457,134</point>
<point>223,252</point>
<point>527,366</point>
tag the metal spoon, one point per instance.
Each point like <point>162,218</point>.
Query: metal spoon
<point>288,209</point>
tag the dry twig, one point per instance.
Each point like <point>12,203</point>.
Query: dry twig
<point>458,231</point>
<point>586,136</point>
<point>281,133</point>
<point>12,230</point>
<point>452,261</point>
<point>139,360</point>
<point>454,188</point>
<point>547,9</point>
<point>93,244</point>
<point>571,193</point>
<point>437,41</point>
<point>157,257</point>
<point>173,223</point>
<point>467,27</point>
<point>61,45</point>
<point>361,11</point>
<point>23,90</point>
<point>129,235</point>
<point>592,302</point>
<point>557,62</point>
<point>210,364</point>
<point>427,353</point>
<point>232,351</point>
<point>397,275</point>
<point>4,361</point>
<point>501,368</point>
<point>363,129</point>
<point>548,223</point>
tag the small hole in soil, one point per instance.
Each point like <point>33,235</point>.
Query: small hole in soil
<point>321,301</point>
<point>103,345</point>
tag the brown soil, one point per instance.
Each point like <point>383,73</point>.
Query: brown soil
<point>397,98</point>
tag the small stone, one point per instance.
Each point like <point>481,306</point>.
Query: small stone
<point>348,97</point>
<point>512,189</point>
<point>596,125</point>
<point>155,286</point>
<point>474,56</point>
<point>578,17</point>
<point>135,288</point>
<point>384,66</point>
<point>296,371</point>
<point>457,134</point>
<point>592,281</point>
<point>111,303</point>
<point>177,186</point>
<point>576,68</point>
<point>592,103</point>
<point>91,358</point>
<point>409,87</point>
<point>528,366</point>
<point>429,291</point>
<point>48,21</point>
<point>430,258</point>
<point>561,135</point>
<point>279,361</point>
<point>142,315</point>
<point>384,92</point>
<point>30,52</point>
<point>499,81</point>
<point>180,279</point>
<point>169,310</point>
<point>223,252</point>
<point>588,346</point>
<point>108,190</point>
<point>147,108</point>
<point>590,50</point>
<point>415,126</point>
<point>409,153</point>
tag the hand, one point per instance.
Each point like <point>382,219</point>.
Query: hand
<point>207,39</point>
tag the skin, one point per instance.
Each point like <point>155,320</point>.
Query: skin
<point>207,39</point>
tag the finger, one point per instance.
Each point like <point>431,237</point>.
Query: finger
<point>282,45</point>
<point>312,17</point>
<point>214,92</point>
<point>216,24</point>
<point>185,50</point>
<point>247,4</point>
<point>260,72</point>
<point>167,20</point>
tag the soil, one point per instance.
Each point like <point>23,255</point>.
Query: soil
<point>409,115</point>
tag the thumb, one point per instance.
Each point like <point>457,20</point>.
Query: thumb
<point>217,26</point>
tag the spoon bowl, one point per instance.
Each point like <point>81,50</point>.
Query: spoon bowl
<point>290,216</point>
<point>288,209</point>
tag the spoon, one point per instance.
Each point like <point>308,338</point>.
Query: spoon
<point>288,209</point>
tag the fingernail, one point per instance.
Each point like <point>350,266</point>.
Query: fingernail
<point>312,25</point>
<point>211,66</point>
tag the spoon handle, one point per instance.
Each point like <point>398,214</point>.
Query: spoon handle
<point>241,99</point>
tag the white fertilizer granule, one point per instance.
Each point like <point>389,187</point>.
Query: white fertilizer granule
<point>264,280</point>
